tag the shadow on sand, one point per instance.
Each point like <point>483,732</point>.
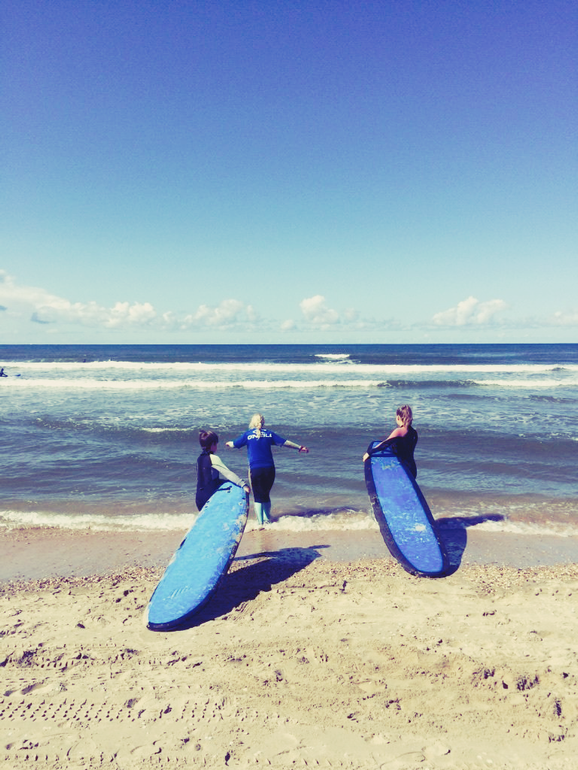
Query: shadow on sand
<point>274,567</point>
<point>244,585</point>
<point>453,532</point>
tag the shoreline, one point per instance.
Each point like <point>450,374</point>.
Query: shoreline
<point>36,553</point>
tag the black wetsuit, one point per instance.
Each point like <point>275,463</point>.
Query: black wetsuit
<point>208,480</point>
<point>404,447</point>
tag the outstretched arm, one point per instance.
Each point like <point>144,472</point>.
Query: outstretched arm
<point>220,466</point>
<point>299,447</point>
<point>238,442</point>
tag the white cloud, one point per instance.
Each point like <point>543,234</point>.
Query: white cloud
<point>91,314</point>
<point>317,313</point>
<point>566,319</point>
<point>46,308</point>
<point>41,307</point>
<point>139,314</point>
<point>22,305</point>
<point>252,314</point>
<point>470,312</point>
<point>230,312</point>
<point>11,294</point>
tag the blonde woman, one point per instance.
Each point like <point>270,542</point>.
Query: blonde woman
<point>403,438</point>
<point>259,441</point>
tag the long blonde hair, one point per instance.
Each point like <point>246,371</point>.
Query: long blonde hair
<point>257,421</point>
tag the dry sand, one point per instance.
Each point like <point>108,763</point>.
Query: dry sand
<point>297,662</point>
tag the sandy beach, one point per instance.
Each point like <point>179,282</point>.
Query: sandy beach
<point>301,660</point>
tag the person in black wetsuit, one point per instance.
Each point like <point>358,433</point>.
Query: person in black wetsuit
<point>208,468</point>
<point>403,439</point>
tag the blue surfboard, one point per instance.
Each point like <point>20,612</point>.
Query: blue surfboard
<point>204,556</point>
<point>403,515</point>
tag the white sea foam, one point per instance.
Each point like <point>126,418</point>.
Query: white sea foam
<point>333,356</point>
<point>541,529</point>
<point>127,385</point>
<point>167,522</point>
<point>349,520</point>
<point>167,430</point>
<point>537,384</point>
<point>354,382</point>
<point>341,521</point>
<point>329,363</point>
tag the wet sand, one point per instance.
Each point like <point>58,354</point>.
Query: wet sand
<point>41,553</point>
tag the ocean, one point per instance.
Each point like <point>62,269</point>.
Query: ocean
<point>105,437</point>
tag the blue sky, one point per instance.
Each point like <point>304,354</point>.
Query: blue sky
<point>292,171</point>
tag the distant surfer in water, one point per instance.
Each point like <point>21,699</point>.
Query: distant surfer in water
<point>208,468</point>
<point>403,439</point>
<point>3,373</point>
<point>261,466</point>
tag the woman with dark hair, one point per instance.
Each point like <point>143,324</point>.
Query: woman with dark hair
<point>208,468</point>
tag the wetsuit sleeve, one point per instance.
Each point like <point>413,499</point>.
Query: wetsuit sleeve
<point>390,440</point>
<point>240,441</point>
<point>220,466</point>
<point>382,444</point>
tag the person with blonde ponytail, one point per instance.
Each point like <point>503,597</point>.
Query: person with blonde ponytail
<point>403,438</point>
<point>259,441</point>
